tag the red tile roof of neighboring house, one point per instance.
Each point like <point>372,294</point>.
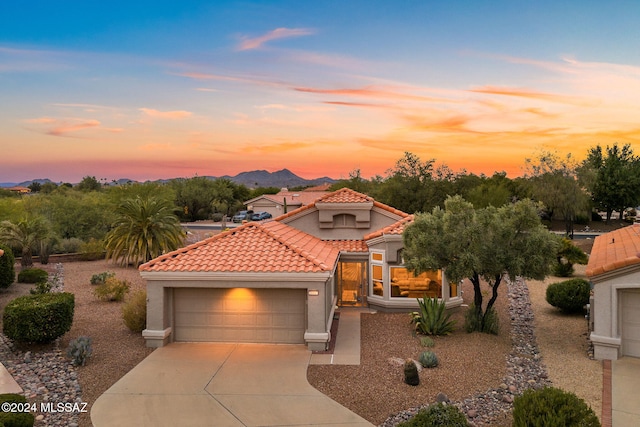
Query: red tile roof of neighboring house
<point>614,250</point>
<point>395,228</point>
<point>322,187</point>
<point>269,247</point>
<point>349,245</point>
<point>344,195</point>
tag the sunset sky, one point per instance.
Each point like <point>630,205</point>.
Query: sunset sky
<point>163,89</point>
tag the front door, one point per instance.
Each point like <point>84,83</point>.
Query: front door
<point>352,283</point>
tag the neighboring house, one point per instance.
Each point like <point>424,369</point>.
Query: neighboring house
<point>285,201</point>
<point>280,281</point>
<point>18,189</point>
<point>614,270</point>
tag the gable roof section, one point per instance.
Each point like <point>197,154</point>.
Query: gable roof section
<point>294,198</point>
<point>397,228</point>
<point>615,250</point>
<point>344,195</point>
<point>269,247</point>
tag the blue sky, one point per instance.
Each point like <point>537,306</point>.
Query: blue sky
<point>148,90</point>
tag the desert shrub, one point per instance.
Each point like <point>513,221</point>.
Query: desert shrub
<point>427,342</point>
<point>69,246</point>
<point>433,318</point>
<point>15,419</point>
<point>112,290</point>
<point>92,250</point>
<point>437,415</point>
<point>563,270</point>
<point>32,275</point>
<point>7,270</point>
<point>79,351</point>
<point>134,312</point>
<point>38,318</point>
<point>101,278</point>
<point>552,407</point>
<point>411,376</point>
<point>217,217</point>
<point>428,359</point>
<point>473,323</point>
<point>41,288</point>
<point>569,296</point>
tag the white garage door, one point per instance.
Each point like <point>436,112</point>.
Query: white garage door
<point>240,315</point>
<point>630,302</point>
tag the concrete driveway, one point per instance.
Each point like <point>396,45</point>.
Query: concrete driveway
<point>204,384</point>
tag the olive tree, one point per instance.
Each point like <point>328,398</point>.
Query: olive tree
<point>480,244</point>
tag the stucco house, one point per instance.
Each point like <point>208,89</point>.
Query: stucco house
<point>280,281</point>
<point>614,271</point>
<point>285,201</point>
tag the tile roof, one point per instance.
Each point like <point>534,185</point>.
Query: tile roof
<point>349,245</point>
<point>344,195</point>
<point>268,247</point>
<point>395,228</point>
<point>614,250</point>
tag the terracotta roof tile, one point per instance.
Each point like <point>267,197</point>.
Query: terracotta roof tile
<point>349,245</point>
<point>395,228</point>
<point>614,250</point>
<point>269,247</point>
<point>344,195</point>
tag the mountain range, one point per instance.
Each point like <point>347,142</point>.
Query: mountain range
<point>252,179</point>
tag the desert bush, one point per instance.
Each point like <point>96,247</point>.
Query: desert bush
<point>15,419</point>
<point>568,254</point>
<point>69,246</point>
<point>569,296</point>
<point>7,269</point>
<point>433,318</point>
<point>79,350</point>
<point>92,250</point>
<point>411,376</point>
<point>428,359</point>
<point>101,278</point>
<point>134,312</point>
<point>112,290</point>
<point>437,415</point>
<point>552,407</point>
<point>472,322</point>
<point>427,342</point>
<point>38,318</point>
<point>32,275</point>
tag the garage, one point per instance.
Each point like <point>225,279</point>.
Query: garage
<point>240,315</point>
<point>630,322</point>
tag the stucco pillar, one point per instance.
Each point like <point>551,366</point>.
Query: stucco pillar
<point>317,336</point>
<point>158,329</point>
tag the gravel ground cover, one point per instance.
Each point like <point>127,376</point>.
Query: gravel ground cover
<point>470,364</point>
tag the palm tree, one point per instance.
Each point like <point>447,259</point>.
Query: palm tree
<point>27,235</point>
<point>146,228</point>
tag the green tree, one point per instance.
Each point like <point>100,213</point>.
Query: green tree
<point>26,235</point>
<point>612,179</point>
<point>7,271</point>
<point>554,182</point>
<point>480,244</point>
<point>144,229</point>
<point>89,183</point>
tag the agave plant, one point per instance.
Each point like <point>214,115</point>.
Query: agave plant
<point>432,319</point>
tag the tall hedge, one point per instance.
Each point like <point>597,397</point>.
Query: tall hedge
<point>40,318</point>
<point>7,270</point>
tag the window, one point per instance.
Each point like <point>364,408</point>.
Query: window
<point>344,221</point>
<point>405,284</point>
<point>377,273</point>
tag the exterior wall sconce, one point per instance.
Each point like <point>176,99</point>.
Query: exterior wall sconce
<point>313,292</point>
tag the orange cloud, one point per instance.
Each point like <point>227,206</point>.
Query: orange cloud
<point>279,33</point>
<point>526,93</point>
<point>368,92</point>
<point>170,115</point>
<point>69,128</point>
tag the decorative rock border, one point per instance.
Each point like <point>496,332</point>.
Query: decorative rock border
<point>524,368</point>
